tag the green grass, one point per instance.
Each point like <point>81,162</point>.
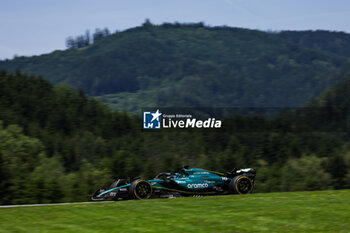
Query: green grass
<point>322,211</point>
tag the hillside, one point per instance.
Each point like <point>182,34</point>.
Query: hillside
<point>334,42</point>
<point>196,65</point>
<point>58,145</point>
<point>325,211</point>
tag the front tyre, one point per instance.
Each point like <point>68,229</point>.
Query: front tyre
<point>241,185</point>
<point>140,189</point>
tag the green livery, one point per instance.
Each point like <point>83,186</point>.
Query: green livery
<point>186,182</point>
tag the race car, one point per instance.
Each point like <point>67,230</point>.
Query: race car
<point>186,182</point>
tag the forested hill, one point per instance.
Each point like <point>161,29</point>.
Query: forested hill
<point>195,65</point>
<point>334,42</point>
<point>58,145</point>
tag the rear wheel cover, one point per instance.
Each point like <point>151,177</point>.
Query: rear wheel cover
<point>241,185</point>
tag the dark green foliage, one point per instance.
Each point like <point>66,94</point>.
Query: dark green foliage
<point>196,65</point>
<point>69,128</point>
<point>305,173</point>
<point>56,145</point>
<point>334,42</point>
<point>18,157</point>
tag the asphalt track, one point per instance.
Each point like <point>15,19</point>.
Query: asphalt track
<point>72,203</point>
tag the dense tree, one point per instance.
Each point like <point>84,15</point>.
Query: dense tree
<point>56,144</point>
<point>19,155</point>
<point>305,173</point>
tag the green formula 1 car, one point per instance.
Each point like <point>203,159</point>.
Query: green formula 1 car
<point>186,182</point>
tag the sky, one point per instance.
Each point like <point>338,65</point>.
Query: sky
<point>33,27</point>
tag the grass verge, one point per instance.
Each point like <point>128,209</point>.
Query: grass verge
<point>321,211</point>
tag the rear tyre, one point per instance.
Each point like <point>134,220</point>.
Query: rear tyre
<point>241,185</point>
<point>141,189</point>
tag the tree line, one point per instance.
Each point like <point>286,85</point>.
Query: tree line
<point>57,144</point>
<point>86,39</point>
<point>182,64</point>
